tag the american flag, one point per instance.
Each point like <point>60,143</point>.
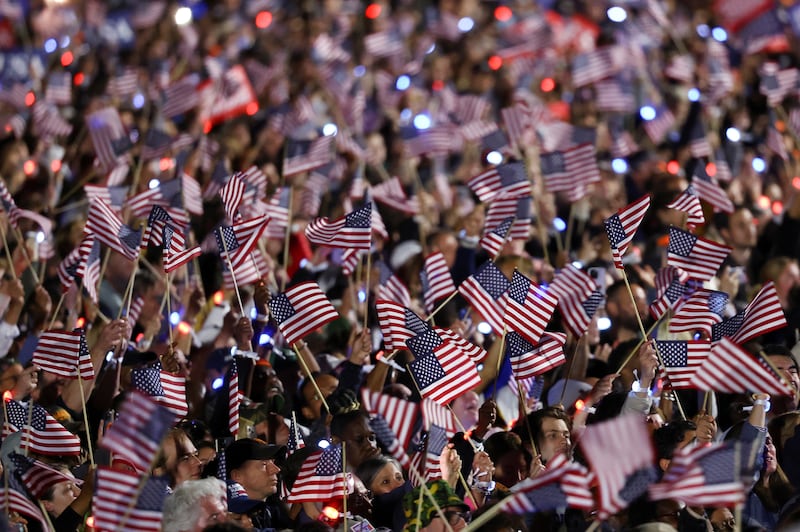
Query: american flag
<point>705,476</point>
<point>698,141</point>
<point>689,202</point>
<point>621,456</point>
<point>157,143</point>
<point>69,269</point>
<point>64,353</point>
<point>762,315</point>
<point>577,313</point>
<point>136,435</point>
<point>181,96</point>
<point>167,194</point>
<point>400,415</point>
<point>135,311</point>
<point>700,312</point>
<point>731,369</point>
<point>301,310</point>
<point>437,281</point>
<point>114,196</point>
<point>232,194</point>
<point>669,299</point>
<point>124,83</point>
<point>109,229</point>
<point>681,68</point>
<point>37,476</point>
<point>9,205</point>
<point>391,194</point>
<point>682,358</point>
<point>236,242</point>
<point>390,286</point>
<point>475,352</point>
<point>107,133</point>
<point>776,142</point>
<point>509,179</point>
<point>384,44</point>
<point>528,308</point>
<point>48,122</point>
<point>157,221</point>
<point>175,252</point>
<point>166,388</point>
<point>564,484</point>
<point>388,439</point>
<point>190,190</point>
<point>518,123</point>
<point>589,67</point>
<point>435,440</point>
<point>112,502</point>
<point>571,170</point>
<point>398,324</point>
<point>518,208</point>
<point>708,189</point>
<point>15,499</point>
<point>435,414</point>
<point>59,88</point>
<point>471,107</point>
<point>305,155</point>
<point>623,225</point>
<point>321,477</point>
<point>278,209</point>
<point>353,230</point>
<point>219,176</point>
<point>494,240</point>
<point>350,260</point>
<point>486,291</point>
<point>530,360</point>
<point>614,96</point>
<point>572,281</point>
<point>441,369</point>
<point>697,256</point>
<point>659,126</point>
<point>296,441</point>
<point>44,435</point>
<point>776,83</point>
<point>234,399</point>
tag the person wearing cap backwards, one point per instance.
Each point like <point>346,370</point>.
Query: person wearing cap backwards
<point>251,464</point>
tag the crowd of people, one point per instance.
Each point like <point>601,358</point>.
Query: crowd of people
<point>196,337</point>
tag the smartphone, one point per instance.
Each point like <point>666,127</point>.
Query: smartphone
<point>599,276</point>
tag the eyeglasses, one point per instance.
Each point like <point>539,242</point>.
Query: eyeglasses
<point>453,516</point>
<point>728,524</point>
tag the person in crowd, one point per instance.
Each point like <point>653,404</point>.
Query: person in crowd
<point>194,505</point>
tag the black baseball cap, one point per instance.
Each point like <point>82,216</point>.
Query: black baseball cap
<point>240,451</point>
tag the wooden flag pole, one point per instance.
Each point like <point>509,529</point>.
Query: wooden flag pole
<point>28,427</point>
<point>169,305</point>
<point>423,488</point>
<point>644,335</point>
<point>23,247</point>
<point>311,377</point>
<point>5,470</point>
<point>85,415</point>
<point>344,485</point>
<point>366,286</point>
<point>230,267</point>
<point>570,228</point>
<point>57,310</point>
<point>287,237</point>
<point>524,412</point>
<point>13,270</point>
<point>501,356</point>
<point>569,369</point>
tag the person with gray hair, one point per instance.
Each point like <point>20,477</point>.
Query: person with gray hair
<point>194,505</point>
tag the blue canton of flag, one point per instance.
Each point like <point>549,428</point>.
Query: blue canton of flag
<point>727,328</point>
<point>427,370</point>
<point>281,308</point>
<point>330,463</point>
<point>516,345</point>
<point>717,301</point>
<point>147,381</point>
<point>637,483</point>
<point>553,163</point>
<point>131,238</point>
<point>616,234</point>
<point>591,304</point>
<point>424,344</point>
<point>492,280</point>
<point>416,325</point>
<point>153,494</point>
<point>359,218</point>
<point>437,440</point>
